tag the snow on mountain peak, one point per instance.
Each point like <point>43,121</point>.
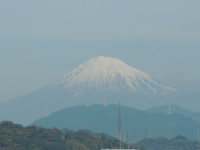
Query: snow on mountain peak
<point>108,73</point>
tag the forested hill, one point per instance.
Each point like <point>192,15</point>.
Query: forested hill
<point>177,143</point>
<point>103,119</point>
<point>17,137</point>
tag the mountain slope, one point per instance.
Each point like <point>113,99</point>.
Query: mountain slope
<point>98,118</point>
<point>101,80</point>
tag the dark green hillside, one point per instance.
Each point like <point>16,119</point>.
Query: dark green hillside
<point>17,137</point>
<point>140,124</point>
<point>177,143</point>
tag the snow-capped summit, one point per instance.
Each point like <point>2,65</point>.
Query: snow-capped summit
<point>109,74</point>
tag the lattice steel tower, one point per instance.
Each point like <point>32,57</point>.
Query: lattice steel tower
<point>119,130</point>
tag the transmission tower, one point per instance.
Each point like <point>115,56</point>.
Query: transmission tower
<point>150,134</point>
<point>47,111</point>
<point>119,130</point>
<point>169,111</point>
<point>105,102</point>
<point>127,139</point>
<point>198,134</point>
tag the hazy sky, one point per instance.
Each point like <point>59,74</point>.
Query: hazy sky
<point>42,39</point>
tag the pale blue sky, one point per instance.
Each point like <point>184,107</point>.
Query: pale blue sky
<point>42,39</point>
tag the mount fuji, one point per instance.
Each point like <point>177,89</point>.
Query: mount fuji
<point>106,73</point>
<point>100,80</point>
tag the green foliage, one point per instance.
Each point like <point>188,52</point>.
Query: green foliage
<point>17,137</point>
<point>90,141</point>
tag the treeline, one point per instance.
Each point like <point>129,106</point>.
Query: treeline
<point>177,143</point>
<point>17,137</point>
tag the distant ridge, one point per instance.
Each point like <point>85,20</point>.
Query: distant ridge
<point>99,118</point>
<point>175,110</point>
<point>177,143</point>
